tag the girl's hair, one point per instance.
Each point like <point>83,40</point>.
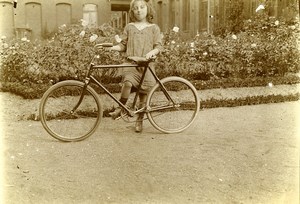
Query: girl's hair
<point>150,11</point>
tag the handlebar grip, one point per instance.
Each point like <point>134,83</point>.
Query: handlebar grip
<point>106,44</point>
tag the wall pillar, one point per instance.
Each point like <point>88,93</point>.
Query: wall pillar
<point>7,25</point>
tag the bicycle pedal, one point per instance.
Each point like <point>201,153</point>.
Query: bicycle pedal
<point>118,118</point>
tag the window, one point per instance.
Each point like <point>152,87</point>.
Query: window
<point>63,14</point>
<point>33,19</point>
<point>90,14</point>
<point>119,19</point>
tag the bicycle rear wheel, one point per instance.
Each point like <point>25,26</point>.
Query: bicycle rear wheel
<point>170,117</point>
<point>58,118</point>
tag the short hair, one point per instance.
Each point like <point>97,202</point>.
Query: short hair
<point>150,11</point>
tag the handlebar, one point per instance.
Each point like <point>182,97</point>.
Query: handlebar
<point>103,45</point>
<point>138,60</point>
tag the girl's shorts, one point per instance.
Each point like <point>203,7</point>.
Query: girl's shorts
<point>134,76</point>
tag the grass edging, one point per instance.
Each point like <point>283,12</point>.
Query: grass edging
<point>217,103</point>
<point>249,100</point>
<point>33,91</point>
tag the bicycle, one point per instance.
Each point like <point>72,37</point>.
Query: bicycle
<point>171,107</point>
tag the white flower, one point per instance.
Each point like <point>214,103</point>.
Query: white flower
<point>192,44</point>
<point>270,84</point>
<point>24,39</point>
<point>118,39</point>
<point>260,7</point>
<point>173,42</point>
<point>293,27</point>
<point>276,23</point>
<point>84,23</point>
<point>176,29</point>
<point>253,45</point>
<point>234,37</point>
<point>82,33</point>
<point>93,37</point>
<point>204,53</point>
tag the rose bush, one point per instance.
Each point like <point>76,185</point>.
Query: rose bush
<point>65,56</point>
<point>266,46</point>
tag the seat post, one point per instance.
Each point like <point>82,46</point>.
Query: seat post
<point>140,84</point>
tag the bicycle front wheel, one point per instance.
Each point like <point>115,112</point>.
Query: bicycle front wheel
<point>175,109</point>
<point>57,114</point>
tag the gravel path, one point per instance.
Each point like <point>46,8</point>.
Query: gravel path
<point>247,154</point>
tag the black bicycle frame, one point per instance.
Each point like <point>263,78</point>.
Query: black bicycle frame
<point>90,78</point>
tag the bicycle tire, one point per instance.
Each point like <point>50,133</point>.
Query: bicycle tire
<point>173,118</point>
<point>56,116</point>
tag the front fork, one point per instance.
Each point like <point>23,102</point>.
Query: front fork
<point>86,83</point>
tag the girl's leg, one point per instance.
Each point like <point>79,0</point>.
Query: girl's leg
<point>125,93</point>
<point>139,121</point>
<point>126,90</point>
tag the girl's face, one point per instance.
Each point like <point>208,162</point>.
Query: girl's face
<point>140,10</point>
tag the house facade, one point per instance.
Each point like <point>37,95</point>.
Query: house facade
<point>38,18</point>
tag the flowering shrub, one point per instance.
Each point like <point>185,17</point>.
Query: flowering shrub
<point>264,47</point>
<point>65,56</point>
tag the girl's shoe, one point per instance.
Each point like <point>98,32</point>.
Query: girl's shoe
<point>115,114</point>
<point>139,125</point>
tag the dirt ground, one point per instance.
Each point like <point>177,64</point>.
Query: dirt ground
<point>245,154</point>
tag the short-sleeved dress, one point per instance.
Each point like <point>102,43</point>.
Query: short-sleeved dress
<point>138,43</point>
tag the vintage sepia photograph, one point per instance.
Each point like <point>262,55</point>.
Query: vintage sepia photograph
<point>149,101</point>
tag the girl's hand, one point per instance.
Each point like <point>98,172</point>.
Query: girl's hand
<point>152,54</point>
<point>113,48</point>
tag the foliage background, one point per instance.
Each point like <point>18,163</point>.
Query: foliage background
<point>261,47</point>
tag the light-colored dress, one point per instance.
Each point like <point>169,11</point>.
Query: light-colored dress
<point>138,42</point>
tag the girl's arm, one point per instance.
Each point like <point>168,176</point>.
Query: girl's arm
<point>157,43</point>
<point>121,47</point>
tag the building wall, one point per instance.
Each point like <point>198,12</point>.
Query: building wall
<point>193,16</point>
<point>38,18</point>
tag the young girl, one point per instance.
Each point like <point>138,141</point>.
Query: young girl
<point>140,38</point>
